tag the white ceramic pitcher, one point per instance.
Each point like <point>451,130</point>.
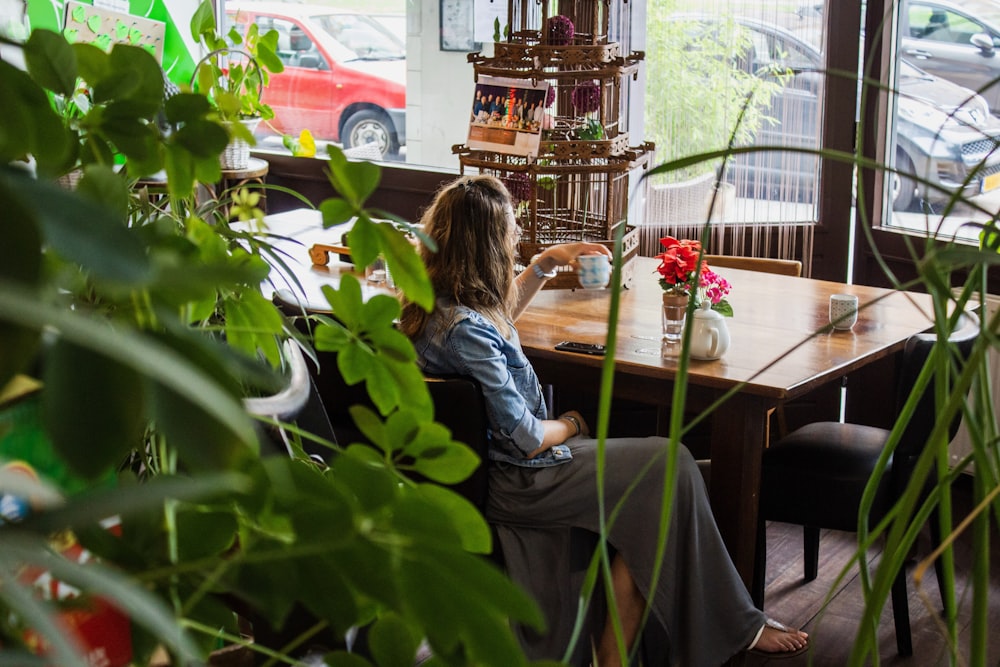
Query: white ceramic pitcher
<point>709,333</point>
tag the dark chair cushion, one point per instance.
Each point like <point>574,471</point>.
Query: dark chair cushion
<point>815,475</point>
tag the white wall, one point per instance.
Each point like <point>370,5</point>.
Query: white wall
<point>439,88</point>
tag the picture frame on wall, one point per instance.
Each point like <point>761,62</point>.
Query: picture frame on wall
<point>457,26</point>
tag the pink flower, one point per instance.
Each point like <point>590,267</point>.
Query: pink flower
<point>715,287</point>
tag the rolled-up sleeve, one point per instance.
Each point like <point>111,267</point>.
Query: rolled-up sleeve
<point>484,354</point>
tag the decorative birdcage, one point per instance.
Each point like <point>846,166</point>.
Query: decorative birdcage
<point>574,187</point>
<point>560,201</point>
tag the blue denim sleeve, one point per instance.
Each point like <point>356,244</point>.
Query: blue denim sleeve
<point>504,373</point>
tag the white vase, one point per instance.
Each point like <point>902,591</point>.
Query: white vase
<point>236,155</point>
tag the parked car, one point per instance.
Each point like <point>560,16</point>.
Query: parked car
<point>954,44</point>
<point>344,78</point>
<point>394,23</point>
<point>944,132</point>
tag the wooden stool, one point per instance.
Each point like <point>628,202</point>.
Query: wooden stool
<point>255,174</point>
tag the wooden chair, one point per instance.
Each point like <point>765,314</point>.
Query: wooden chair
<point>785,267</point>
<point>815,476</point>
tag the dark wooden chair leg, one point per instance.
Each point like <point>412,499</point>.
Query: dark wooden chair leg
<point>810,547</point>
<point>901,615</point>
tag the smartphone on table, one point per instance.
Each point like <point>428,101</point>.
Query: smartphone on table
<point>580,348</point>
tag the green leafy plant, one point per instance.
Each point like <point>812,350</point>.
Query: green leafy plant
<point>236,68</point>
<point>713,97</point>
<point>148,328</point>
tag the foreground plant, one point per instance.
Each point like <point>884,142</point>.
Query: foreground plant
<point>148,328</point>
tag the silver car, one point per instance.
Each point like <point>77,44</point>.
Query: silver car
<point>945,133</point>
<point>954,44</point>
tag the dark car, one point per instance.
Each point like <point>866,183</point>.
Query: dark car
<point>944,132</point>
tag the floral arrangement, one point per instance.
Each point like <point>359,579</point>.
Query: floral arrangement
<point>586,97</point>
<point>550,96</point>
<point>560,29</point>
<point>677,269</point>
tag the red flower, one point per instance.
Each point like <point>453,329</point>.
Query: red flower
<point>678,262</point>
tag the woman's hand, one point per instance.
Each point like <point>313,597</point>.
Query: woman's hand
<point>529,282</point>
<point>566,253</point>
<point>559,430</point>
<point>577,421</point>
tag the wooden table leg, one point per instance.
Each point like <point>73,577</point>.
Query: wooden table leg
<point>739,432</point>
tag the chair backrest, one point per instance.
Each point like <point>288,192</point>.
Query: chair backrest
<point>785,267</point>
<point>460,405</point>
<point>915,356</point>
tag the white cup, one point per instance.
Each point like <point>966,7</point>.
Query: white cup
<point>593,271</point>
<point>843,311</point>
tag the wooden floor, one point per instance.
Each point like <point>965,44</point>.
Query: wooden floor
<point>832,628</point>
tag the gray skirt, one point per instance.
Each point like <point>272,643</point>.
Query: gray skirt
<point>699,601</point>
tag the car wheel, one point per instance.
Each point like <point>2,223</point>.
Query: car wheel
<point>367,127</point>
<point>904,188</point>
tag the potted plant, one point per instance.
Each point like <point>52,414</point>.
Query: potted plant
<point>233,74</point>
<point>699,64</point>
<point>155,333</point>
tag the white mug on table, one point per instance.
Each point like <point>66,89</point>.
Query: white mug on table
<point>843,311</point>
<point>593,271</point>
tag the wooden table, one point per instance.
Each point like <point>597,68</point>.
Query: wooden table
<point>774,356</point>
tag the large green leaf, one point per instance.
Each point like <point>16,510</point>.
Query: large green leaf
<point>468,521</point>
<point>355,181</point>
<point>439,458</point>
<point>102,185</point>
<point>329,594</point>
<point>479,616</point>
<point>253,324</point>
<point>145,89</point>
<point>392,642</point>
<point>203,20</point>
<point>406,266</point>
<point>336,211</point>
<point>93,236</point>
<point>204,532</point>
<point>20,262</point>
<point>364,241</point>
<point>29,125</point>
<point>373,487</point>
<point>51,61</point>
<point>93,407</point>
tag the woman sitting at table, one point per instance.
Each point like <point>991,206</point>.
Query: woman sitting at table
<point>543,471</point>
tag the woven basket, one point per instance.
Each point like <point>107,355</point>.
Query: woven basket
<point>236,155</point>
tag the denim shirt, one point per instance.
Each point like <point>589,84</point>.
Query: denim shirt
<point>459,340</point>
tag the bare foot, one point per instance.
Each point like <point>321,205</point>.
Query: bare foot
<point>777,638</point>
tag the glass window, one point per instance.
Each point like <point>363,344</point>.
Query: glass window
<point>344,79</point>
<point>945,131</point>
<point>750,77</point>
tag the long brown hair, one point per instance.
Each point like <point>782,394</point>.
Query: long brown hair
<point>474,262</point>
